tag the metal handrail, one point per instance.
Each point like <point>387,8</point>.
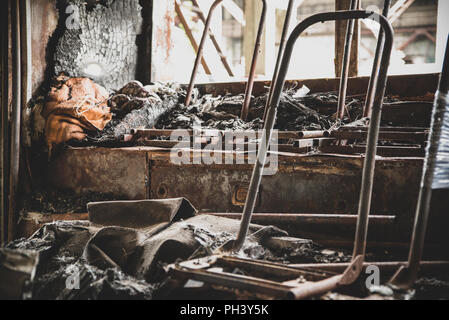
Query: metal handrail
<point>252,73</point>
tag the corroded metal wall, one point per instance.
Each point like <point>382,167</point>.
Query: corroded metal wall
<point>123,172</point>
<point>303,184</point>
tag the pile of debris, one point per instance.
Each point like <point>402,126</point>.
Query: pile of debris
<point>223,113</point>
<point>314,112</point>
<point>116,255</point>
<point>126,250</point>
<point>78,110</point>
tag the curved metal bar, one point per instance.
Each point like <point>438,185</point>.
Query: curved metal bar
<point>199,55</point>
<point>376,65</point>
<point>345,64</point>
<point>252,72</point>
<point>368,170</point>
<point>214,41</point>
<point>288,16</point>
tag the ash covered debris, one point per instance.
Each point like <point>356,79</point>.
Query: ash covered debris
<point>138,107</point>
<point>120,262</point>
<point>164,109</point>
<point>223,113</point>
<point>113,262</point>
<point>296,113</point>
<point>62,201</point>
<point>60,247</point>
<point>161,106</point>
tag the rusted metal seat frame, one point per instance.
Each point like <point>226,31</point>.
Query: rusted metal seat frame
<point>369,165</point>
<point>282,44</point>
<point>345,65</point>
<point>252,72</point>
<point>352,272</point>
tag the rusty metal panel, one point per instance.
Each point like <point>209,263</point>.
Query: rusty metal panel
<point>301,185</point>
<point>327,184</point>
<point>318,184</point>
<point>122,172</point>
<point>210,188</point>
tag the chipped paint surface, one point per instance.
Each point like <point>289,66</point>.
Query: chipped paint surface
<point>162,46</point>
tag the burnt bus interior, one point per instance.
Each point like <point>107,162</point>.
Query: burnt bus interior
<point>92,123</point>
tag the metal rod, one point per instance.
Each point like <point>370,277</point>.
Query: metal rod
<point>417,137</point>
<point>406,276</point>
<point>200,51</point>
<point>214,40</point>
<point>190,35</point>
<point>388,267</point>
<point>272,110</point>
<point>283,135</point>
<point>304,218</point>
<point>376,65</point>
<point>15,119</point>
<point>373,136</point>
<point>345,64</point>
<point>284,35</point>
<point>252,72</point>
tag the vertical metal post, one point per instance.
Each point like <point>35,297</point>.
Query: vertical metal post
<point>252,73</point>
<point>200,51</point>
<point>345,65</point>
<point>371,149</point>
<point>288,16</point>
<point>406,276</point>
<point>376,65</point>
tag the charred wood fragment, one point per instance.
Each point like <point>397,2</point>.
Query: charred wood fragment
<point>99,41</point>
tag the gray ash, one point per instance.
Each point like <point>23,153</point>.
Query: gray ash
<point>223,113</point>
<point>62,201</point>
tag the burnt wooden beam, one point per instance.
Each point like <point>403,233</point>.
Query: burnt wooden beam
<point>99,42</point>
<point>41,33</point>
